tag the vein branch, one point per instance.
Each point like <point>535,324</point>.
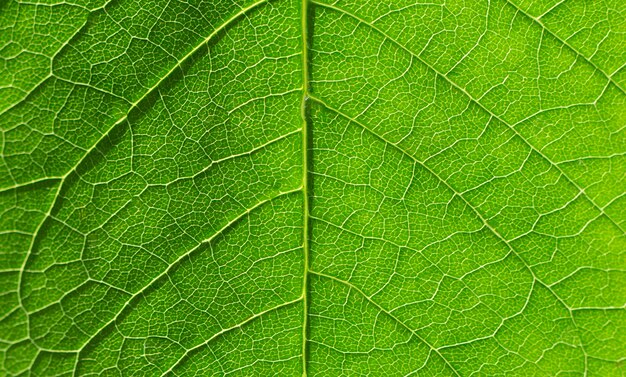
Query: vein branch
<point>133,106</point>
<point>388,313</point>
<point>178,260</point>
<point>538,21</point>
<point>227,330</point>
<point>460,195</point>
<point>471,98</point>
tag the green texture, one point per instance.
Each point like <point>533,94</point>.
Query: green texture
<point>321,187</point>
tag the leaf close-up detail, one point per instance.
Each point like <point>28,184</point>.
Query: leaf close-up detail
<point>313,188</point>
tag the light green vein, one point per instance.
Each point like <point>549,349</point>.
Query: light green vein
<point>133,106</point>
<point>382,310</point>
<point>470,206</point>
<point>537,20</point>
<point>474,100</point>
<point>227,330</point>
<point>184,255</point>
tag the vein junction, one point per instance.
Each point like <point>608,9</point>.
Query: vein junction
<point>467,209</point>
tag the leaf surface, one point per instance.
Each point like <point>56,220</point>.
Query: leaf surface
<point>282,187</point>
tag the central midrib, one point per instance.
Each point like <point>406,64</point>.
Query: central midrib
<point>305,180</point>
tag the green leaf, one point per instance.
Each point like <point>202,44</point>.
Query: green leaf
<point>321,187</point>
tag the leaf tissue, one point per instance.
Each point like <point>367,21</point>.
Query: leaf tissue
<point>313,187</point>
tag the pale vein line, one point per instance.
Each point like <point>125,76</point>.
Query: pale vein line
<point>33,182</point>
<point>458,278</point>
<point>551,8</point>
<point>476,101</point>
<point>54,55</point>
<point>133,106</point>
<point>185,255</point>
<point>156,85</point>
<point>476,212</point>
<point>208,167</point>
<point>230,157</point>
<point>383,310</point>
<point>537,20</point>
<point>226,330</point>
